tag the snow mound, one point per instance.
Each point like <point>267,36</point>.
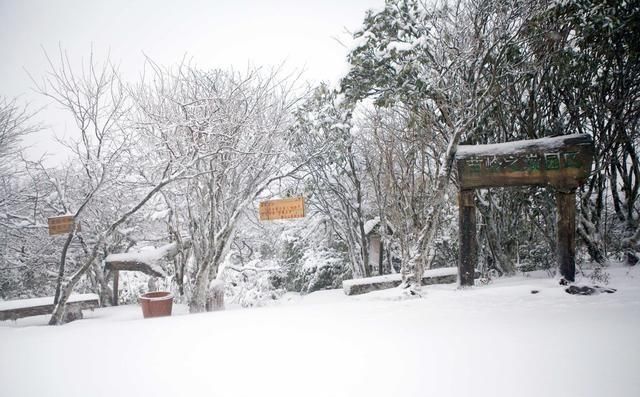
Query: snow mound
<point>149,257</point>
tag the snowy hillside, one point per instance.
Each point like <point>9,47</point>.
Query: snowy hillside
<point>493,340</point>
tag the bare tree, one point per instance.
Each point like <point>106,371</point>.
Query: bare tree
<point>242,121</point>
<point>106,153</point>
<point>14,125</point>
<point>402,167</point>
<point>97,102</point>
<point>19,202</point>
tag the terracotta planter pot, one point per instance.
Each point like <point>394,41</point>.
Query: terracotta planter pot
<point>156,304</point>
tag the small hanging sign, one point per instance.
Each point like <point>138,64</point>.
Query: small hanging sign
<point>289,208</point>
<point>61,224</point>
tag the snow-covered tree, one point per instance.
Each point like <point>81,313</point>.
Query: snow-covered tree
<point>595,52</point>
<point>19,219</point>
<point>432,62</point>
<point>334,180</point>
<point>108,191</point>
<point>241,120</point>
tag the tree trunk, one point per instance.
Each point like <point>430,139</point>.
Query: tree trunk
<point>198,302</point>
<point>428,233</point>
<point>105,292</point>
<point>502,261</point>
<point>215,296</point>
<point>592,240</point>
<point>57,317</point>
<point>63,260</point>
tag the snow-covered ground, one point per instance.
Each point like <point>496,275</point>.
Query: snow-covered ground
<point>493,340</point>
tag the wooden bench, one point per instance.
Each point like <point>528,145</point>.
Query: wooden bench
<point>446,275</point>
<point>15,309</point>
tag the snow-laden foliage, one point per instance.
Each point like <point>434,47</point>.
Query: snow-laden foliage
<point>18,222</point>
<point>505,72</point>
<point>267,260</point>
<point>238,124</point>
<point>185,155</point>
<point>430,69</point>
<point>334,181</point>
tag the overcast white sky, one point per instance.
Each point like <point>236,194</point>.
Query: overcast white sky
<point>214,33</point>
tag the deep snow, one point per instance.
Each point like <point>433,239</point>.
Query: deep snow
<point>493,340</point>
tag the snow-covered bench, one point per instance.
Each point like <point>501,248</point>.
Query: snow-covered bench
<point>445,275</point>
<point>15,309</point>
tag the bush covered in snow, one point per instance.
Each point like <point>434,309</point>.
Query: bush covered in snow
<point>307,269</point>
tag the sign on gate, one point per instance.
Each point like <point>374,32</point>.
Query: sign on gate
<point>562,162</point>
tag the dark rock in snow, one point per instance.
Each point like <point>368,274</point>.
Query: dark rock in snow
<point>586,290</point>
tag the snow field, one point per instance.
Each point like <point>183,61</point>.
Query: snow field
<point>494,340</point>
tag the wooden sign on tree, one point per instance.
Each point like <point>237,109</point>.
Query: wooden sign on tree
<point>288,208</point>
<point>62,224</point>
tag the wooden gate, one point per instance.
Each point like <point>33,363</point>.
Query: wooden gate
<point>563,163</point>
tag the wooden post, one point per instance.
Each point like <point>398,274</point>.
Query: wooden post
<point>116,276</point>
<point>468,245</point>
<point>380,257</point>
<point>566,207</point>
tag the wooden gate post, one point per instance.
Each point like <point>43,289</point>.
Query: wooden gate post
<point>566,208</point>
<point>468,245</point>
<point>116,276</point>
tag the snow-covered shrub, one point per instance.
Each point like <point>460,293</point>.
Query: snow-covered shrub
<point>323,269</point>
<point>535,255</point>
<point>131,286</point>
<point>290,276</point>
<point>599,275</point>
<point>250,285</point>
<point>310,264</point>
